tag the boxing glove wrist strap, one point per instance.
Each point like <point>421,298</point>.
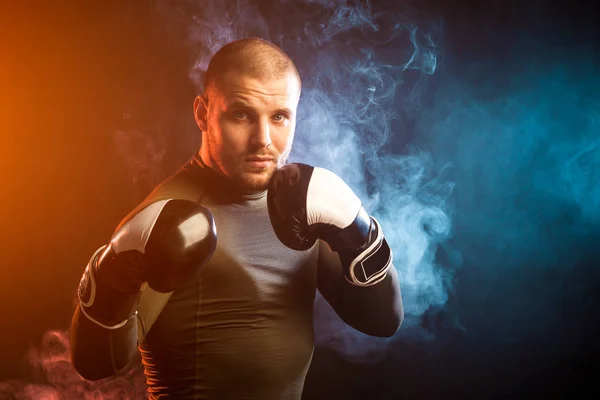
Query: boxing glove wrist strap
<point>110,327</point>
<point>102,304</point>
<point>373,261</point>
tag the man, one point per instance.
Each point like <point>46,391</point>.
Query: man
<point>214,275</point>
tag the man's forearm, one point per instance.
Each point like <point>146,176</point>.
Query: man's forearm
<point>97,352</point>
<point>374,310</point>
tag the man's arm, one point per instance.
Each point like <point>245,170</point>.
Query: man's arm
<point>356,276</point>
<point>98,352</point>
<point>373,310</point>
<point>163,245</point>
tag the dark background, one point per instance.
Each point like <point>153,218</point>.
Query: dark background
<point>74,74</point>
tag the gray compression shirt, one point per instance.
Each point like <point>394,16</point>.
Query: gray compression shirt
<point>243,329</point>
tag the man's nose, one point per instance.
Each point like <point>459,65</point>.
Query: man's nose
<point>262,134</point>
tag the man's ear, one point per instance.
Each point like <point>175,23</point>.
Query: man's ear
<point>201,111</point>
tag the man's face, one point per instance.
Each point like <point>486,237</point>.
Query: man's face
<point>249,127</point>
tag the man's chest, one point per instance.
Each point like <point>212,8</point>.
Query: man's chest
<point>250,256</point>
<point>252,283</point>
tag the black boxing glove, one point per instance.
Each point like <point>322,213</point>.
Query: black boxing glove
<point>307,203</point>
<point>164,245</point>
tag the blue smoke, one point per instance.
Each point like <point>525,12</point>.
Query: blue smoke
<point>475,166</point>
<point>365,74</point>
<point>524,148</point>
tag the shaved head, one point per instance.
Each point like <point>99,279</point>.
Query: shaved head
<point>247,112</point>
<point>253,57</point>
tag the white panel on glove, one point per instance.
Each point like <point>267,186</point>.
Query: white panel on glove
<point>330,200</point>
<point>137,230</point>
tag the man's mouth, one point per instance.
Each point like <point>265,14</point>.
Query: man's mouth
<point>259,161</point>
<point>259,158</point>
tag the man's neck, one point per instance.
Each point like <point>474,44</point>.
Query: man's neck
<point>206,163</point>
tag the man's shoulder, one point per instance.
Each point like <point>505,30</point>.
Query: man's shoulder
<point>186,183</point>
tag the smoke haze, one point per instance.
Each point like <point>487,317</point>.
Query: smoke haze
<point>481,162</point>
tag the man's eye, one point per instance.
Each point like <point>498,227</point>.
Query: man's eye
<point>279,117</point>
<point>240,114</point>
